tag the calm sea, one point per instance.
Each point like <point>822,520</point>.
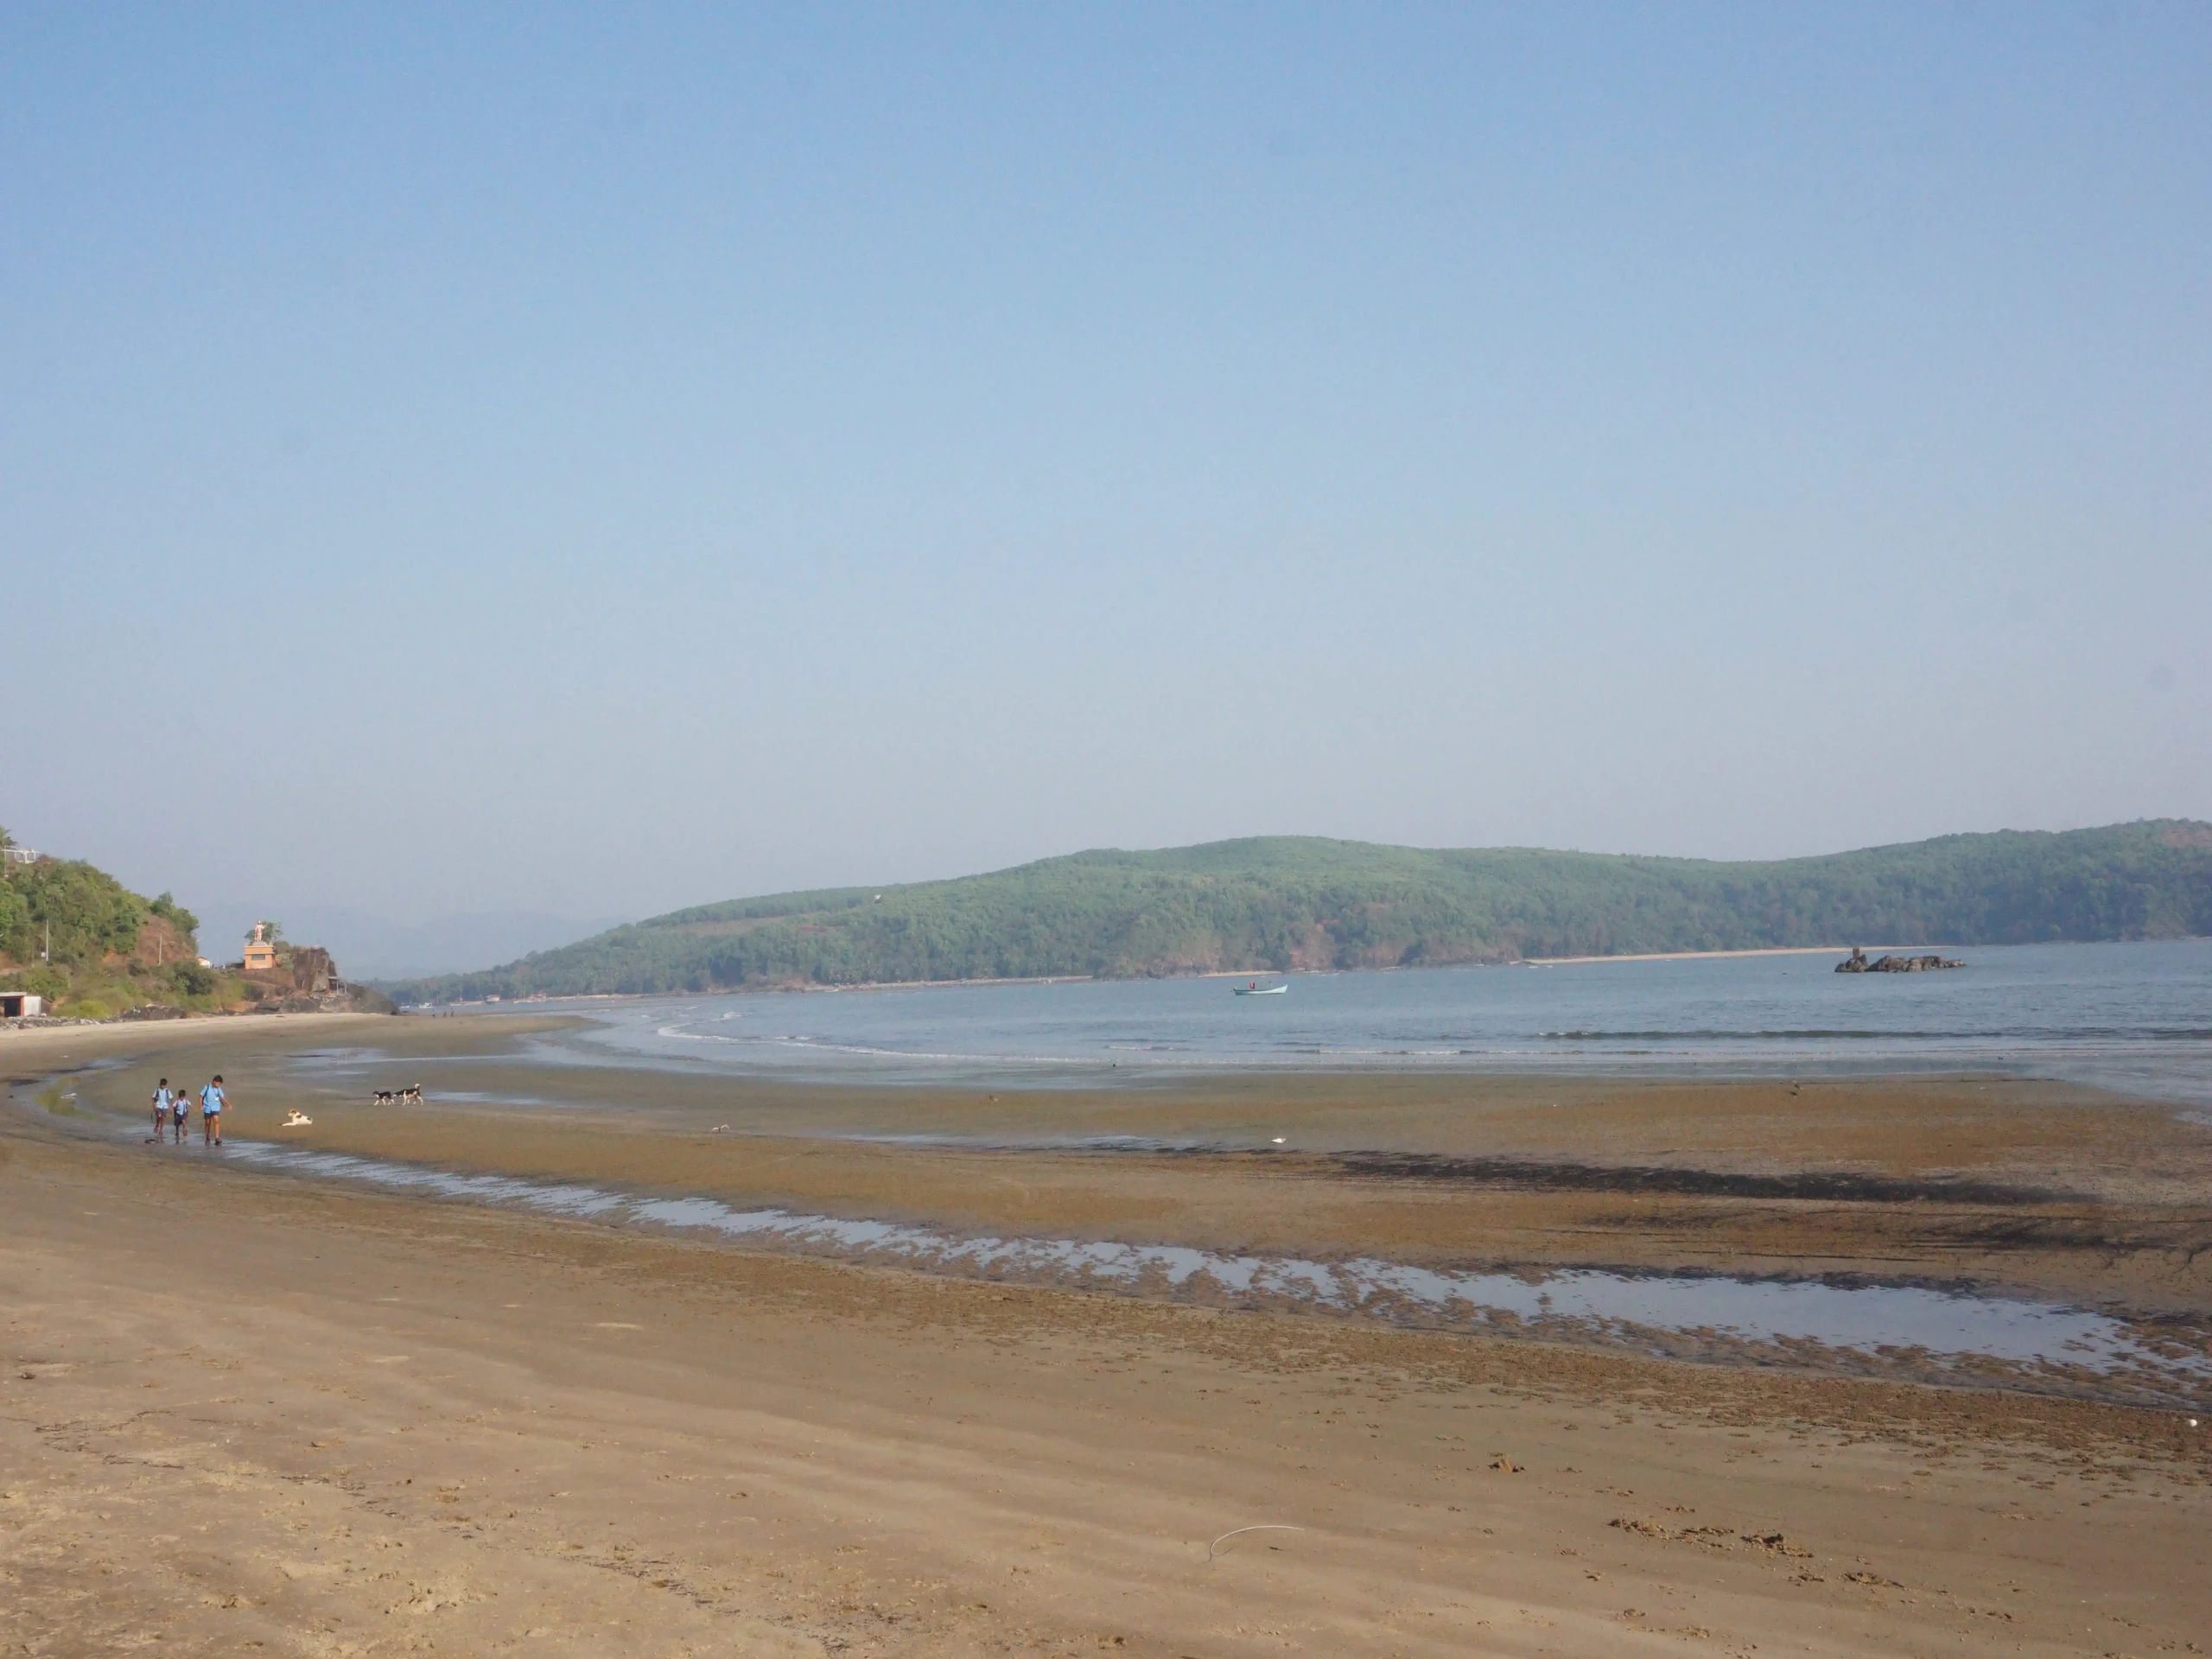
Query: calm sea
<point>2135,1017</point>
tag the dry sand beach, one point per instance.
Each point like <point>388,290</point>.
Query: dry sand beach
<point>243,1411</point>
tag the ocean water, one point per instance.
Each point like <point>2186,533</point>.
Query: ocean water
<point>2135,1017</point>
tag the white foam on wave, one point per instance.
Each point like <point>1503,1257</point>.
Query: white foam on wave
<point>862,1051</point>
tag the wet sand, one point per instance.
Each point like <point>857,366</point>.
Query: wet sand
<point>239,1410</point>
<point>2035,1189</point>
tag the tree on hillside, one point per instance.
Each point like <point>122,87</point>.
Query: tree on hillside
<point>177,916</point>
<point>88,912</point>
<point>15,911</point>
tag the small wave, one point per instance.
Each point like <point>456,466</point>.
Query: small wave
<point>822,1046</point>
<point>1915,1034</point>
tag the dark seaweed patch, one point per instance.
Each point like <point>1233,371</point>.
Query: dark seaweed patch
<point>1817,1186</point>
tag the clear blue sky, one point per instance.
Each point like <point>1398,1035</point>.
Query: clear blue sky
<point>599,459</point>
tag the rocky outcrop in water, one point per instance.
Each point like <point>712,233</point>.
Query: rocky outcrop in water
<point>1856,962</point>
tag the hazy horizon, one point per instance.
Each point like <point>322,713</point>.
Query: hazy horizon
<point>460,464</point>
<point>377,947</point>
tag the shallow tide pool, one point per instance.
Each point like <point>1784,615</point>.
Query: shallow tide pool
<point>1896,1329</point>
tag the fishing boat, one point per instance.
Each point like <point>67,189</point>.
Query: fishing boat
<point>1257,989</point>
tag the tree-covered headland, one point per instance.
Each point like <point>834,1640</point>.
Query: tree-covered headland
<point>1277,904</point>
<point>76,935</point>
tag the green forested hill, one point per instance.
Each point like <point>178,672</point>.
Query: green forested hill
<point>1285,902</point>
<point>76,935</point>
<point>92,949</point>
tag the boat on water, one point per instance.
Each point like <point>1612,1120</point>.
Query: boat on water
<point>1257,990</point>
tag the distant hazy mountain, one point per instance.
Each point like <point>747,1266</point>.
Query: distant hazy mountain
<point>1285,902</point>
<point>369,947</point>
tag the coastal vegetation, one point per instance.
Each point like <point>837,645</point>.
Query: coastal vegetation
<point>72,934</point>
<point>1283,903</point>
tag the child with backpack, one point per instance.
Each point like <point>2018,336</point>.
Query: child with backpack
<point>211,1113</point>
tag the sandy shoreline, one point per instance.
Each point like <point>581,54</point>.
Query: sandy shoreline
<point>2004,1185</point>
<point>241,1409</point>
<point>29,1045</point>
<point>382,1425</point>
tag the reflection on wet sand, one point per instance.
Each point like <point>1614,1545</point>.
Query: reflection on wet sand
<point>2054,1347</point>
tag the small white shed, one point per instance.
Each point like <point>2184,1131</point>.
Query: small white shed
<point>21,1005</point>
